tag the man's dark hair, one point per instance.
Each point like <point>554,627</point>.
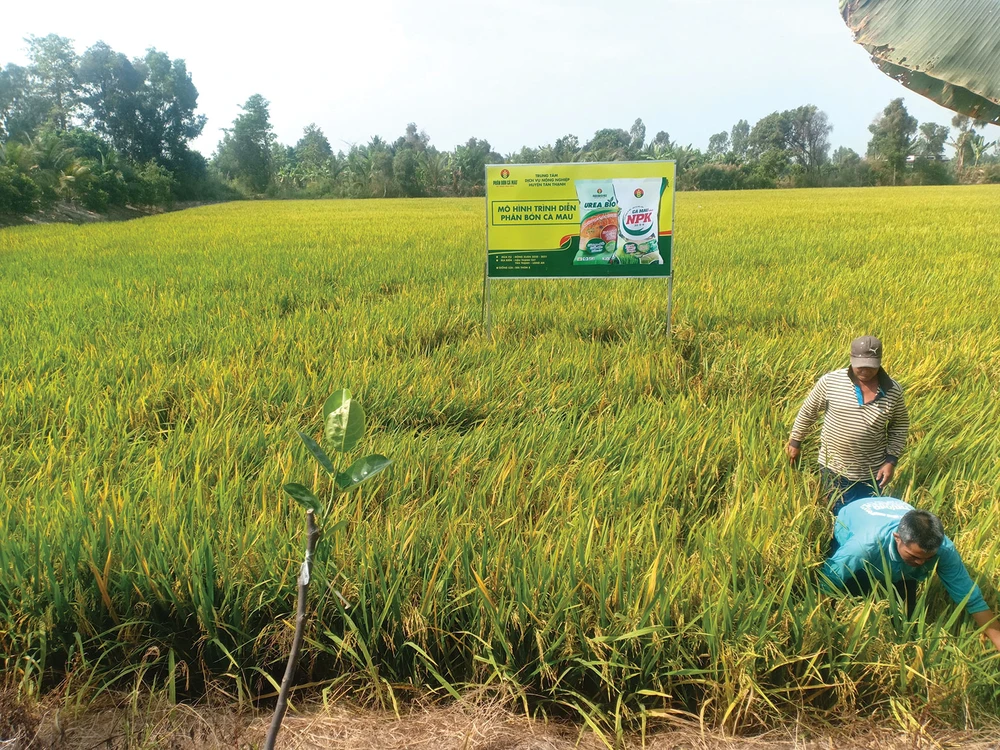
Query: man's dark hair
<point>923,528</point>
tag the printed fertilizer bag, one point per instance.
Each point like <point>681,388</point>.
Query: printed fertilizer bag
<point>598,222</point>
<point>638,220</point>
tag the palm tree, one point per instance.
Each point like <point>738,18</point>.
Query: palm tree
<point>51,165</point>
<point>657,151</point>
<point>435,167</point>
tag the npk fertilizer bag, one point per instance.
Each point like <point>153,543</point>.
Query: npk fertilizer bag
<point>638,220</point>
<point>598,222</point>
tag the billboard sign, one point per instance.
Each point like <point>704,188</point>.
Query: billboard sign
<point>581,220</point>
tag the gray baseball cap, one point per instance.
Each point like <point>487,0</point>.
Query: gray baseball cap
<point>866,351</point>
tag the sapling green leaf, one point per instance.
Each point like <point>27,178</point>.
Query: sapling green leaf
<point>343,421</point>
<point>318,453</point>
<point>343,425</point>
<point>362,469</point>
<point>304,497</point>
<point>338,527</point>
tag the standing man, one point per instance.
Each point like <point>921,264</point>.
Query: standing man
<point>883,540</point>
<point>864,426</point>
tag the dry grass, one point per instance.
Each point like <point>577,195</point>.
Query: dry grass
<point>482,726</point>
<point>18,724</point>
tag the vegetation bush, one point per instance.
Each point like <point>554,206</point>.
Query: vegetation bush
<point>716,177</point>
<point>153,186</point>
<point>18,194</point>
<point>991,174</point>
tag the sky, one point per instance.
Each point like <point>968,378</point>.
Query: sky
<point>516,73</point>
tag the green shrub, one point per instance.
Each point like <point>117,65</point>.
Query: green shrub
<point>991,174</point>
<point>153,186</point>
<point>716,177</point>
<point>95,199</point>
<point>18,194</point>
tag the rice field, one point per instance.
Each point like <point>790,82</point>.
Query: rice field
<point>584,517</point>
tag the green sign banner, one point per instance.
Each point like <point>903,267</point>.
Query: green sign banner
<point>588,220</point>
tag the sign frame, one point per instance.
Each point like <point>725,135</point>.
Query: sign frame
<point>669,276</point>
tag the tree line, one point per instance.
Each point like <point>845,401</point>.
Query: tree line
<point>783,149</point>
<point>101,130</point>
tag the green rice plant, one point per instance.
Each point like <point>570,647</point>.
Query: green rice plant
<point>586,516</point>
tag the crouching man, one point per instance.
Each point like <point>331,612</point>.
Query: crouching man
<point>872,534</point>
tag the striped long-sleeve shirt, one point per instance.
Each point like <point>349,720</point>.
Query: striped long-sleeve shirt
<point>856,438</point>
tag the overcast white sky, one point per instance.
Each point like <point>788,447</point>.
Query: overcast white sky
<point>518,72</point>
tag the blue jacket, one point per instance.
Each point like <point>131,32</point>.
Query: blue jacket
<point>864,529</point>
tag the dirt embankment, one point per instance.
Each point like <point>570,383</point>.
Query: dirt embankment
<point>69,213</point>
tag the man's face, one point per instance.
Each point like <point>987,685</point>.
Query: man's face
<point>865,374</point>
<point>912,554</point>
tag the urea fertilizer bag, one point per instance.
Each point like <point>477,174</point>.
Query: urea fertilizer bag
<point>638,220</point>
<point>598,222</point>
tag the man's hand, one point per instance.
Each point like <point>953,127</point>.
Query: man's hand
<point>793,453</point>
<point>994,635</point>
<point>987,618</point>
<point>884,474</point>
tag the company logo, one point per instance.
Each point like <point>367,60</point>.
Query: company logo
<point>600,190</point>
<point>638,193</point>
<point>638,220</point>
<point>505,173</point>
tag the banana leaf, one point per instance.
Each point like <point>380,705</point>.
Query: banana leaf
<point>945,50</point>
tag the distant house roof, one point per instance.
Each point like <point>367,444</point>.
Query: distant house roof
<point>912,158</point>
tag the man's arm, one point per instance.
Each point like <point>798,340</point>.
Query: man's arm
<point>808,414</point>
<point>899,426</point>
<point>988,619</point>
<point>960,585</point>
<point>845,564</point>
<point>957,582</point>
